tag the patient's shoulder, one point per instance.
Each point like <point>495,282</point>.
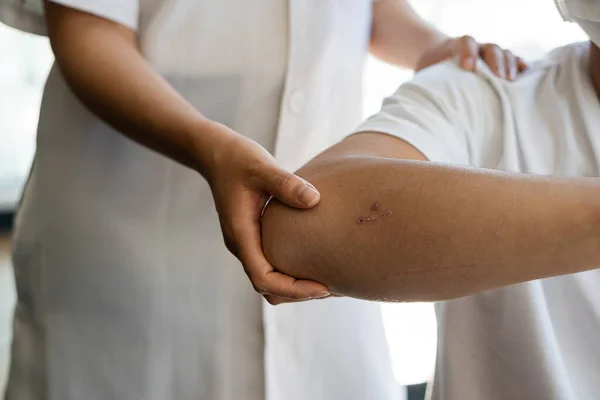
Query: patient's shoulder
<point>447,83</point>
<point>449,73</point>
<point>565,54</point>
<point>451,89</point>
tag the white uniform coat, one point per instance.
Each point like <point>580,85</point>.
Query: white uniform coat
<point>125,289</point>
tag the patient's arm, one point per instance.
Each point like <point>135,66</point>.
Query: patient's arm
<point>391,228</point>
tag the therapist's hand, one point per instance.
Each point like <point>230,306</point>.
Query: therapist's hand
<point>503,63</point>
<point>242,174</point>
<point>105,70</point>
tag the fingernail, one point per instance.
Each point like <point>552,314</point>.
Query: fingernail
<point>320,295</point>
<point>513,74</point>
<point>309,196</point>
<point>502,74</point>
<point>307,183</point>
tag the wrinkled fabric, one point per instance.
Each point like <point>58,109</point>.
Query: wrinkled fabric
<point>535,340</point>
<point>125,289</point>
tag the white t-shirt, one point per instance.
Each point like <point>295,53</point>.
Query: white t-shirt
<point>538,340</point>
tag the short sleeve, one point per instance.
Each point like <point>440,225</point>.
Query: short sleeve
<point>28,15</point>
<point>449,115</point>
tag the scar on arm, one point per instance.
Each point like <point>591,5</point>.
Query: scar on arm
<point>374,211</point>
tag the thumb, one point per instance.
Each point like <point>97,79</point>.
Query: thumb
<point>290,189</point>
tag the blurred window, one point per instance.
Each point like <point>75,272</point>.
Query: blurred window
<point>24,64</point>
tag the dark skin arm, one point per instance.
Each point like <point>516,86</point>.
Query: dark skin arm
<point>103,66</point>
<point>436,232</point>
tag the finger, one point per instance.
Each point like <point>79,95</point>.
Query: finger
<point>276,300</point>
<point>522,65</point>
<point>468,52</point>
<point>494,58</point>
<point>288,188</point>
<point>264,278</point>
<point>510,63</point>
<point>276,284</point>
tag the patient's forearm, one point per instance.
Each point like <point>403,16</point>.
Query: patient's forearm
<point>399,230</point>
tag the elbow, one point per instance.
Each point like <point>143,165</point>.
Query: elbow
<point>378,49</point>
<point>305,244</point>
<point>285,239</point>
<point>308,244</point>
<point>375,49</point>
<point>387,260</point>
<point>299,243</point>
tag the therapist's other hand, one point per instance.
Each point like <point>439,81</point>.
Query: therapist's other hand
<point>242,174</point>
<point>503,63</point>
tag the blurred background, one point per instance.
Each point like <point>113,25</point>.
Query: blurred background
<point>528,27</point>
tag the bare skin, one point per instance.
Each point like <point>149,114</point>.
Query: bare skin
<point>103,66</point>
<point>393,227</point>
<point>394,19</point>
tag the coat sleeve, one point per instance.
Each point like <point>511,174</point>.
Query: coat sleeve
<point>28,15</point>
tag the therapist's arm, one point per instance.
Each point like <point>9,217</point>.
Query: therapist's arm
<point>391,228</point>
<point>104,68</point>
<point>401,37</point>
